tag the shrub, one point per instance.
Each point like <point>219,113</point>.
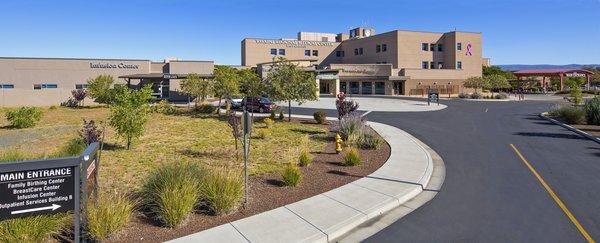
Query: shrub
<point>268,122</point>
<point>33,229</point>
<point>369,140</point>
<point>262,133</point>
<point>79,95</point>
<point>291,175</point>
<point>320,117</point>
<point>501,96</point>
<point>13,155</point>
<point>272,115</point>
<point>71,103</point>
<point>90,132</point>
<point>53,107</point>
<point>570,114</point>
<point>222,191</point>
<point>350,126</point>
<point>99,89</point>
<point>476,95</point>
<point>352,157</point>
<point>463,95</point>
<point>281,116</point>
<point>205,108</point>
<point>592,111</point>
<point>74,147</point>
<point>24,117</point>
<point>171,192</point>
<point>108,216</point>
<point>343,106</point>
<point>164,107</point>
<point>305,158</point>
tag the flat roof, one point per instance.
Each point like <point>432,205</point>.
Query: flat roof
<point>74,58</point>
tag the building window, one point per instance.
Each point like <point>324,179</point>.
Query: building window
<point>273,51</point>
<point>432,47</point>
<point>360,51</point>
<point>440,65</point>
<point>307,53</point>
<point>459,46</point>
<point>424,46</point>
<point>315,53</point>
<point>81,86</point>
<point>45,86</point>
<point>339,53</point>
<point>432,65</point>
<point>440,47</point>
<point>424,65</point>
<point>282,52</point>
<point>325,38</point>
<point>7,86</point>
<point>356,51</point>
<point>378,48</point>
<point>383,47</point>
<point>459,65</point>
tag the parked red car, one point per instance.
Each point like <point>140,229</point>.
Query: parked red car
<point>260,104</point>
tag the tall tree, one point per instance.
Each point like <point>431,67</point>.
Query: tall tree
<point>250,83</point>
<point>225,83</point>
<point>130,112</point>
<point>196,86</point>
<point>495,70</point>
<point>99,89</point>
<point>497,81</point>
<point>290,83</point>
<point>476,83</point>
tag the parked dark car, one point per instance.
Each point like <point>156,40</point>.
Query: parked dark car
<point>235,103</point>
<point>260,104</point>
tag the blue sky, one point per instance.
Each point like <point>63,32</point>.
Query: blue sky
<point>514,32</point>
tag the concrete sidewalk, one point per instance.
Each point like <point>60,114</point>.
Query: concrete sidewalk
<point>327,216</point>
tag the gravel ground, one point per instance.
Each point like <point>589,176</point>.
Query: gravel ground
<point>20,136</point>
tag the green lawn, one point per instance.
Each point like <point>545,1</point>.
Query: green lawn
<point>203,139</point>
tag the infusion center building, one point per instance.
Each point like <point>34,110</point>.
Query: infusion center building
<point>50,81</point>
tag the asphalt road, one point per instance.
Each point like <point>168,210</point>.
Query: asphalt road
<point>489,194</point>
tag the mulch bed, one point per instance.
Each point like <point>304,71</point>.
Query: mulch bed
<point>590,129</point>
<point>266,193</point>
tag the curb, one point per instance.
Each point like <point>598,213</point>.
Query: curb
<point>407,174</point>
<point>575,130</point>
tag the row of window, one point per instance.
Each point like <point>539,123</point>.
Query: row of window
<point>440,65</point>
<point>381,48</point>
<point>358,51</point>
<point>440,47</point>
<point>314,53</point>
<point>275,52</point>
<point>43,86</point>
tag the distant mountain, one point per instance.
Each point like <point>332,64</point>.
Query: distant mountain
<point>515,67</point>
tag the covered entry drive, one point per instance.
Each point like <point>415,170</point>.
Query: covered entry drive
<point>164,85</point>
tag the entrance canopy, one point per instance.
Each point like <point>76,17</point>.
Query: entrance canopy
<point>558,72</point>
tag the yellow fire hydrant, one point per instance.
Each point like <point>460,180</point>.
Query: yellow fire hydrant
<point>338,143</point>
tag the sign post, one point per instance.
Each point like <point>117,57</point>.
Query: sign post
<point>247,127</point>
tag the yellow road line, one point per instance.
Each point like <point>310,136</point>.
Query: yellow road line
<point>562,206</point>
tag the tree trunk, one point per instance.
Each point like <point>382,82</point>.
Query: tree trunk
<point>289,110</point>
<point>219,107</point>
<point>128,142</point>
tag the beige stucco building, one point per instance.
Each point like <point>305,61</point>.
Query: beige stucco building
<point>398,62</point>
<point>49,81</point>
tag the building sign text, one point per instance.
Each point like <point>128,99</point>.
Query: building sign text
<point>112,65</point>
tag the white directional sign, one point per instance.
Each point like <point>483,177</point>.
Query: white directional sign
<point>34,192</point>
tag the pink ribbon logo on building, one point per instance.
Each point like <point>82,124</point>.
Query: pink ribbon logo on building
<point>469,47</point>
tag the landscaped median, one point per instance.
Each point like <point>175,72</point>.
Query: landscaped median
<point>583,120</point>
<point>327,216</point>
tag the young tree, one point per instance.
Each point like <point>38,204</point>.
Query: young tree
<point>225,83</point>
<point>574,84</point>
<point>497,81</point>
<point>130,112</point>
<point>495,70</point>
<point>250,83</point>
<point>99,89</point>
<point>290,83</point>
<point>196,86</point>
<point>475,83</point>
